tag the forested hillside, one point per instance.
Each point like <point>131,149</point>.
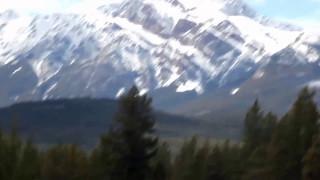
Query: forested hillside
<point>272,148</point>
<point>79,121</point>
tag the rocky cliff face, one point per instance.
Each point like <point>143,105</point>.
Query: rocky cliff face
<point>166,47</point>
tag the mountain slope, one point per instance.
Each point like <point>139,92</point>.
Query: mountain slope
<point>81,121</point>
<point>177,50</point>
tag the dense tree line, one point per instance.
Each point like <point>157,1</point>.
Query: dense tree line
<point>272,149</point>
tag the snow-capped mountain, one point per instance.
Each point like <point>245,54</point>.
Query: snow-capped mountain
<point>184,45</point>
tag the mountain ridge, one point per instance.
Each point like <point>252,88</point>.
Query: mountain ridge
<point>176,46</point>
<point>83,120</point>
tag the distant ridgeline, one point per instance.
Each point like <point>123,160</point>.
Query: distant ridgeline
<point>79,121</point>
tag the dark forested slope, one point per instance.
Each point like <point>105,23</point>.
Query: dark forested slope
<point>79,121</point>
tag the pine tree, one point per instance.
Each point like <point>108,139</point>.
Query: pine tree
<point>184,161</point>
<point>65,162</point>
<point>29,163</point>
<point>215,165</point>
<point>252,129</point>
<point>234,161</point>
<point>11,148</point>
<point>3,148</point>
<point>293,137</point>
<point>161,163</point>
<point>268,126</point>
<point>257,163</point>
<point>311,162</point>
<point>200,166</point>
<point>132,142</point>
<point>103,160</point>
<point>192,161</point>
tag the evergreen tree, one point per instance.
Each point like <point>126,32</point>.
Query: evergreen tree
<point>311,162</point>
<point>3,147</point>
<point>161,163</point>
<point>29,164</point>
<point>11,148</point>
<point>64,162</point>
<point>184,161</point>
<point>268,126</point>
<point>252,127</point>
<point>103,160</point>
<point>132,143</point>
<point>200,166</point>
<point>234,161</point>
<point>256,165</point>
<point>293,137</point>
<point>215,165</point>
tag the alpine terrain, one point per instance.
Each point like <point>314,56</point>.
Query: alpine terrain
<point>195,57</point>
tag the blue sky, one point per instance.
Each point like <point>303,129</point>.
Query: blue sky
<point>286,8</point>
<point>303,12</point>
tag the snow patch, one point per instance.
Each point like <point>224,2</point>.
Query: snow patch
<point>190,86</point>
<point>143,91</point>
<point>314,84</point>
<point>46,94</point>
<point>272,38</point>
<point>45,69</point>
<point>16,71</point>
<point>258,75</point>
<point>120,92</point>
<point>138,29</point>
<point>234,91</point>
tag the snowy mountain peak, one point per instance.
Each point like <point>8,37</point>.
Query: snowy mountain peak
<point>184,45</point>
<point>200,11</point>
<point>9,14</point>
<point>231,7</point>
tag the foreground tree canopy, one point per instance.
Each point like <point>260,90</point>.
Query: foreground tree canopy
<point>272,149</point>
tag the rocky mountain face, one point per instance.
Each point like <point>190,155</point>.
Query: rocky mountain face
<point>180,51</point>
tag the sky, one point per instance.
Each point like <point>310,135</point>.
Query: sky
<point>301,12</point>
